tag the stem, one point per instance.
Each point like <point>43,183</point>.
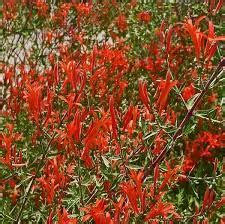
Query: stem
<point>80,184</point>
<point>151,165</point>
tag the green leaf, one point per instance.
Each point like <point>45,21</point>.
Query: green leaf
<point>134,167</point>
<point>105,161</point>
<point>150,135</point>
<point>96,181</point>
<point>191,102</point>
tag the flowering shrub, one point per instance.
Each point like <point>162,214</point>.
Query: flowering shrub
<point>112,112</point>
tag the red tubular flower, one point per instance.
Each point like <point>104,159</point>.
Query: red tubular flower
<point>162,209</point>
<point>63,218</point>
<point>74,128</point>
<point>56,74</point>
<point>144,17</point>
<point>97,213</point>
<point>165,87</point>
<point>48,189</point>
<point>195,34</point>
<point>211,35</point>
<point>121,23</point>
<point>131,192</point>
<point>201,148</point>
<point>127,117</point>
<point>188,92</point>
<point>212,51</point>
<point>33,97</point>
<point>7,159</point>
<point>53,181</point>
<point>9,73</point>
<point>42,7</point>
<point>50,218</point>
<point>143,93</point>
<point>208,199</point>
<point>169,176</point>
<point>130,119</point>
<point>220,203</point>
<point>83,9</point>
<point>86,157</point>
<point>159,143</point>
<point>11,157</point>
<point>171,116</point>
<point>138,179</point>
<point>134,120</point>
<point>212,4</point>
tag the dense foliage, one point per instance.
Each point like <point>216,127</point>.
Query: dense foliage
<point>112,112</point>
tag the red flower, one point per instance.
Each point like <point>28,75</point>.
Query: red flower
<point>212,98</point>
<point>7,142</point>
<point>48,189</point>
<point>162,209</point>
<point>164,88</point>
<point>83,9</point>
<point>143,93</point>
<point>87,158</point>
<point>97,212</point>
<point>134,191</point>
<point>220,203</point>
<point>208,199</point>
<point>188,92</point>
<point>74,128</point>
<point>144,17</point>
<point>63,218</point>
<point>169,176</point>
<point>130,119</point>
<point>201,148</point>
<point>138,180</point>
<point>121,23</point>
<point>131,192</point>
<point>33,97</point>
<point>42,7</point>
<point>195,34</point>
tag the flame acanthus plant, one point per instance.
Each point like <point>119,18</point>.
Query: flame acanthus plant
<point>95,113</point>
